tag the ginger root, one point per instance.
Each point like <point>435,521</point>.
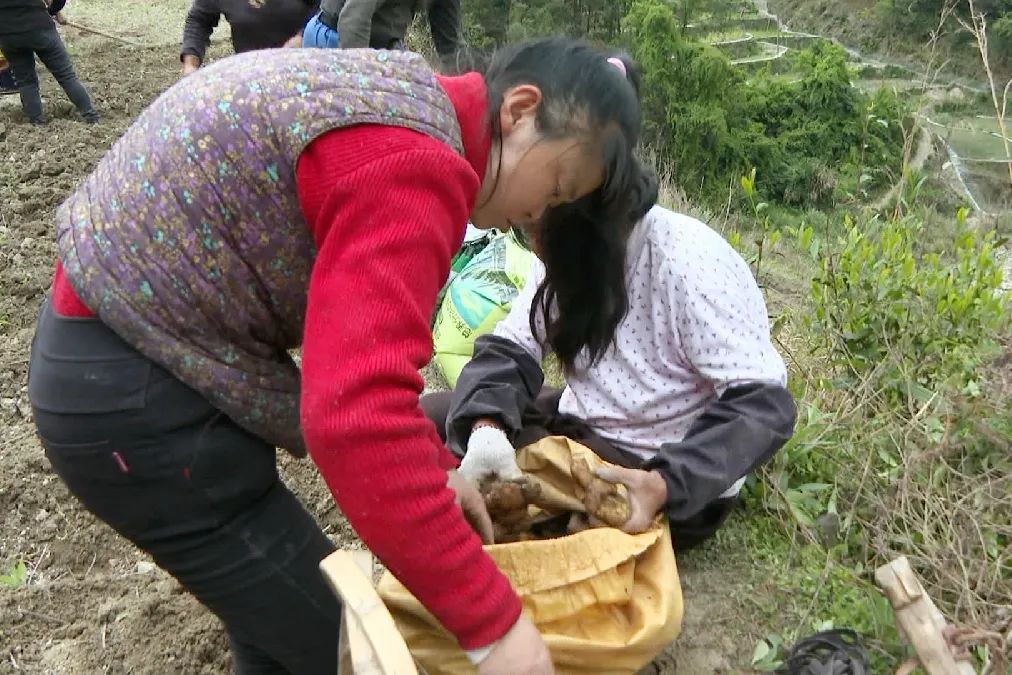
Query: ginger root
<point>509,501</point>
<point>505,496</point>
<point>603,500</point>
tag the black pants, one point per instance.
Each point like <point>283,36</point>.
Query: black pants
<point>20,50</point>
<point>543,418</point>
<point>152,458</point>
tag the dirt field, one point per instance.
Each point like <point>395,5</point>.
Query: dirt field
<point>91,602</point>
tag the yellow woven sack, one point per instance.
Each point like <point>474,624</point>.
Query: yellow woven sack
<point>605,601</point>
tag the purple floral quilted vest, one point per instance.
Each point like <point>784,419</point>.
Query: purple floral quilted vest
<point>188,240</point>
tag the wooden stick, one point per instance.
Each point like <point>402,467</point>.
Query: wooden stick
<point>374,646</point>
<point>919,619</point>
<point>351,630</point>
<point>86,29</point>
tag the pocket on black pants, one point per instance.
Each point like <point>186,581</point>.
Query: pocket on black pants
<point>77,387</point>
<point>134,489</point>
<point>81,367</point>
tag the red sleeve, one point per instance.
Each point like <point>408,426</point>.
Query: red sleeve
<point>64,299</point>
<point>386,229</point>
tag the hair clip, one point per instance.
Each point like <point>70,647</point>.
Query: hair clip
<point>617,62</point>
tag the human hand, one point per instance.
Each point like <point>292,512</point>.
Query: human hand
<point>472,504</point>
<point>190,64</point>
<point>60,19</point>
<point>489,455</point>
<point>294,41</point>
<point>647,494</point>
<point>521,651</point>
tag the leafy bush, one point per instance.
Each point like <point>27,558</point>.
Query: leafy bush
<point>711,125</point>
<point>690,95</point>
<point>901,444</point>
<point>914,322</point>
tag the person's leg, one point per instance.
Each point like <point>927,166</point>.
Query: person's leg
<point>540,419</point>
<point>537,417</point>
<point>53,54</point>
<point>22,60</point>
<point>544,419</point>
<point>436,406</point>
<point>153,459</point>
<point>690,533</point>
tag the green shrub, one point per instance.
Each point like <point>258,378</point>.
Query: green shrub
<point>914,322</point>
<point>711,126</point>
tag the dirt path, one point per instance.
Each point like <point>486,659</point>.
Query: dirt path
<point>1004,255</point>
<point>925,146</point>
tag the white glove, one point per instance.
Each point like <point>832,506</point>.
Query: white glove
<point>489,454</point>
<point>476,656</point>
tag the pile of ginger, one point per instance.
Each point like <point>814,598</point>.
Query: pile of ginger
<point>510,502</point>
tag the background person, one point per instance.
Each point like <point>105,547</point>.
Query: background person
<point>255,24</point>
<point>27,30</point>
<point>383,24</point>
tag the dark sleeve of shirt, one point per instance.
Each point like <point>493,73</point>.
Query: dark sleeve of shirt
<point>201,20</point>
<point>354,24</point>
<point>499,382</point>
<point>733,436</point>
<point>55,6</point>
<point>444,22</point>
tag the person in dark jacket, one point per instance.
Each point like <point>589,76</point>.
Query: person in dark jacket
<point>687,399</point>
<point>26,30</point>
<point>382,24</point>
<point>256,24</point>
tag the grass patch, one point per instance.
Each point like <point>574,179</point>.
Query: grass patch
<point>154,23</point>
<point>976,143</point>
<point>15,577</point>
<point>890,459</point>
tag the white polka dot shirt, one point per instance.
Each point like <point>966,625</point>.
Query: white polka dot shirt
<point>696,325</point>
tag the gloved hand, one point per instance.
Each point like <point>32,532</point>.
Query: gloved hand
<point>489,455</point>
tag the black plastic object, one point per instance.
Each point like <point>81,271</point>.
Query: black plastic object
<point>831,652</point>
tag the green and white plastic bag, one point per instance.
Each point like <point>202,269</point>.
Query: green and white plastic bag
<point>474,241</point>
<point>476,299</point>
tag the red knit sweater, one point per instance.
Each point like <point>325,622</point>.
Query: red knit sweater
<point>387,208</point>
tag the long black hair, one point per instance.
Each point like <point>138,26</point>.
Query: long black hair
<point>594,94</point>
<point>583,297</point>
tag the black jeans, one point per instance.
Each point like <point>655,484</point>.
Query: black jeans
<point>20,50</point>
<point>542,418</point>
<point>152,458</point>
